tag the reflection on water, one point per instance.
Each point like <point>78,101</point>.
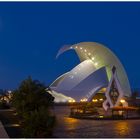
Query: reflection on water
<point>122,127</point>
<point>75,128</point>
<point>71,122</point>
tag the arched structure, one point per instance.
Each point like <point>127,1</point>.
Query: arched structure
<point>96,61</point>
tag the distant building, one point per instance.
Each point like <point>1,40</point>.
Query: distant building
<point>5,96</point>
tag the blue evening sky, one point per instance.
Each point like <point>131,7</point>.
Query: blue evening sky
<point>32,33</point>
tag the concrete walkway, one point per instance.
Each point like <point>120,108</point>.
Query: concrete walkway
<point>3,133</point>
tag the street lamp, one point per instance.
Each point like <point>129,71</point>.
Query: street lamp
<point>71,101</point>
<point>83,100</point>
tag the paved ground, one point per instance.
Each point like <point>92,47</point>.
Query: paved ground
<point>3,133</point>
<point>10,123</point>
<point>75,128</point>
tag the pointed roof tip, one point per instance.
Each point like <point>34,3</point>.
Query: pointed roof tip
<point>63,49</point>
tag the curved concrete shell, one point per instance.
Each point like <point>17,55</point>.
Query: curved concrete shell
<point>83,80</point>
<point>58,80</point>
<point>59,97</point>
<point>100,56</point>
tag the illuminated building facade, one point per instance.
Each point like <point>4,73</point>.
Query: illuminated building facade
<point>92,74</point>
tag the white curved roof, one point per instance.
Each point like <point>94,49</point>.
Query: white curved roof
<point>58,80</point>
<point>100,56</point>
<point>89,86</point>
<point>59,97</point>
<point>84,83</point>
<point>76,75</point>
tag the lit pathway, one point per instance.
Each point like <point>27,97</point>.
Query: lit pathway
<point>3,133</point>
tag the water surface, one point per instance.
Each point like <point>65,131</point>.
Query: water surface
<point>75,128</point>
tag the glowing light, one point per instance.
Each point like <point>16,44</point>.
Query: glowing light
<point>71,47</point>
<point>71,101</point>
<point>96,64</point>
<point>122,101</point>
<point>14,125</point>
<point>83,100</point>
<point>92,58</point>
<point>85,50</point>
<point>76,47</point>
<point>9,91</point>
<point>103,89</point>
<point>89,53</point>
<point>101,99</point>
<point>101,116</point>
<point>94,100</point>
<point>80,48</point>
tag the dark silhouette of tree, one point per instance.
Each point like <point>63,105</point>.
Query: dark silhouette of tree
<point>33,104</point>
